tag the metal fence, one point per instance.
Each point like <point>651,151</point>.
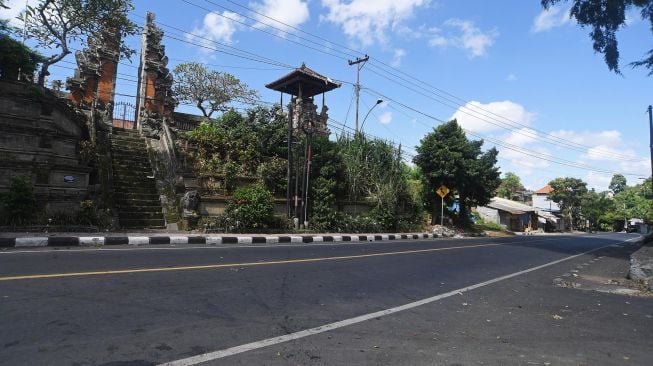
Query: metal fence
<point>124,115</point>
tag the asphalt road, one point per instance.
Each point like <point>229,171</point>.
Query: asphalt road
<point>147,306</point>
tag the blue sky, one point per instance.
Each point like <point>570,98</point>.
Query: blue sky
<point>525,80</point>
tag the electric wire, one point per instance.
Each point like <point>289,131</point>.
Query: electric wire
<point>466,107</point>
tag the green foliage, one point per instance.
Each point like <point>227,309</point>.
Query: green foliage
<point>55,24</point>
<point>251,207</point>
<point>15,56</point>
<point>567,193</point>
<point>241,145</point>
<point>510,185</point>
<point>351,169</point>
<point>446,156</point>
<point>360,169</point>
<point>480,224</point>
<point>272,173</point>
<point>19,203</point>
<point>88,151</point>
<point>605,18</point>
<point>618,183</point>
<point>593,208</point>
<point>209,91</point>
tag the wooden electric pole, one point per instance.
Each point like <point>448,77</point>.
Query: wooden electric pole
<point>650,129</point>
<point>359,62</point>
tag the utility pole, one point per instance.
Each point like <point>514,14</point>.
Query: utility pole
<point>359,62</point>
<point>650,129</point>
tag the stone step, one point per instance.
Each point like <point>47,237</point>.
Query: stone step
<point>136,196</point>
<point>134,176</point>
<point>127,139</point>
<point>142,223</point>
<point>131,161</point>
<point>131,181</point>
<point>128,166</point>
<point>137,202</point>
<point>136,147</point>
<point>128,158</point>
<point>123,188</point>
<point>138,208</point>
<point>117,132</point>
<point>140,215</point>
<point>129,153</point>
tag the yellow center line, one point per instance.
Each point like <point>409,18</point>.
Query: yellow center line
<point>246,264</point>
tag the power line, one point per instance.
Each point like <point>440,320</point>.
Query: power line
<point>276,63</point>
<point>465,108</point>
<point>515,148</point>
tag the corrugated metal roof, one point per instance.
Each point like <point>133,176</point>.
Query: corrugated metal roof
<point>515,208</point>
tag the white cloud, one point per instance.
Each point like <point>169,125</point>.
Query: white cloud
<point>550,18</point>
<point>368,21</point>
<point>385,118</point>
<point>598,181</point>
<point>472,39</point>
<point>15,7</point>
<point>604,150</point>
<point>463,34</point>
<point>438,41</point>
<point>290,12</point>
<point>218,27</point>
<point>522,137</point>
<point>511,77</point>
<point>398,56</point>
<point>477,116</point>
<point>607,137</point>
<point>632,17</point>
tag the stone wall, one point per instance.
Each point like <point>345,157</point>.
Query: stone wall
<point>40,137</point>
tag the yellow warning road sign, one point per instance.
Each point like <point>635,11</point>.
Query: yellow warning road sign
<point>442,191</point>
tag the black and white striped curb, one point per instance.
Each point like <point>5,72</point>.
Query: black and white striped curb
<point>66,241</point>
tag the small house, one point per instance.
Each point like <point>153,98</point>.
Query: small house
<point>512,215</point>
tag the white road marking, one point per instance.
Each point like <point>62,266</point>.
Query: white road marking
<point>194,360</point>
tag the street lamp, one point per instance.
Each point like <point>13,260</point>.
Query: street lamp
<point>378,101</point>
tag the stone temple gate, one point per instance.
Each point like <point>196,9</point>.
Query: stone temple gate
<point>139,172</point>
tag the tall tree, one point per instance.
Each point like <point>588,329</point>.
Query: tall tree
<point>4,23</point>
<point>618,183</point>
<point>594,206</point>
<point>567,193</point>
<point>55,24</point>
<point>446,156</point>
<point>16,58</point>
<point>606,17</point>
<point>210,91</point>
<point>510,185</point>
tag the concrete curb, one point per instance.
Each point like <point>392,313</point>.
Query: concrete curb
<point>96,241</point>
<point>641,265</point>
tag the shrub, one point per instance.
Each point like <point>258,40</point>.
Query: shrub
<point>19,204</point>
<point>251,207</point>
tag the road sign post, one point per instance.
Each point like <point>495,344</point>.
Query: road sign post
<point>442,191</point>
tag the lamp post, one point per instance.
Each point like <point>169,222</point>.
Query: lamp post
<point>378,101</point>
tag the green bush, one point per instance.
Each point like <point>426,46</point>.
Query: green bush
<point>272,173</point>
<point>251,207</point>
<point>19,204</point>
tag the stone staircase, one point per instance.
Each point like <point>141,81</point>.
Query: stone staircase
<point>136,197</point>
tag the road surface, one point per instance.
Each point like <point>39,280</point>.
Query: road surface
<point>428,302</point>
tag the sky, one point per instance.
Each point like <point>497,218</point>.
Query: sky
<point>525,80</point>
